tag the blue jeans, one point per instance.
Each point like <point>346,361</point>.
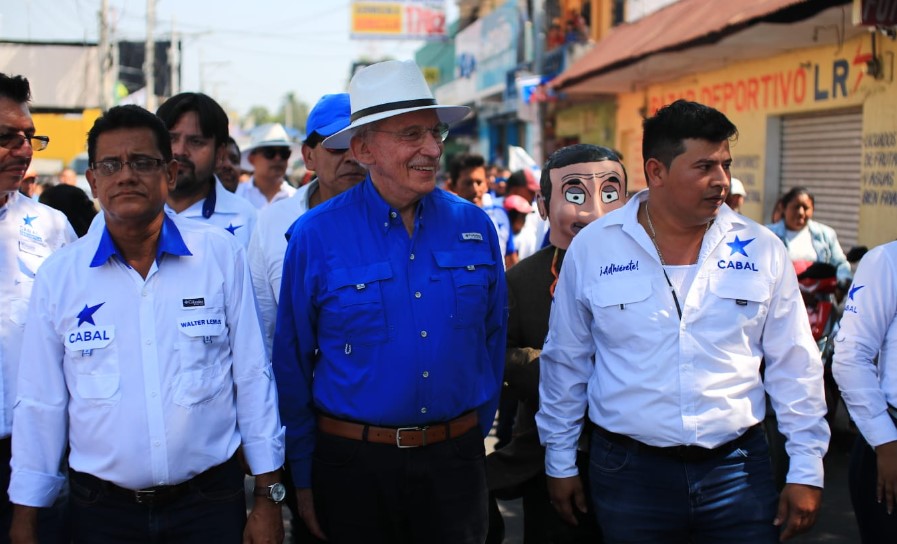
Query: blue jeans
<point>876,525</point>
<point>213,510</point>
<point>648,497</point>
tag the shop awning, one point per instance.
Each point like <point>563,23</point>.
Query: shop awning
<point>693,36</point>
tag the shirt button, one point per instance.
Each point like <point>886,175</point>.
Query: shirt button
<point>157,443</point>
<point>423,334</point>
<point>411,257</point>
<point>417,294</point>
<point>386,224</point>
<point>153,394</point>
<point>423,410</point>
<point>392,214</point>
<point>426,374</point>
<point>143,293</point>
<point>148,341</point>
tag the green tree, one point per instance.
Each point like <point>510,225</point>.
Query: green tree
<point>294,112</point>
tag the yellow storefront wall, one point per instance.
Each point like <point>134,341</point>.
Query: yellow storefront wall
<point>67,132</point>
<point>591,123</point>
<point>809,80</point>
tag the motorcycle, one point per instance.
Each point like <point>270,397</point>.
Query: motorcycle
<point>818,285</point>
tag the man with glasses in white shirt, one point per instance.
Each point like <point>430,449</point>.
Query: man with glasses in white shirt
<point>145,359</point>
<point>268,158</point>
<point>29,233</point>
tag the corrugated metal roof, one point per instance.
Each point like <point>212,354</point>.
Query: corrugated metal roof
<point>684,25</point>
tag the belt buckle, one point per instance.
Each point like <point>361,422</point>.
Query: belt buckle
<point>423,441</point>
<point>144,496</point>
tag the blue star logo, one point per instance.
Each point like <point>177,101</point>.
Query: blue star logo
<point>738,246</point>
<point>28,219</point>
<point>853,290</point>
<point>231,228</point>
<point>86,315</point>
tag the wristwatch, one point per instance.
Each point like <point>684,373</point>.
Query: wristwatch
<point>274,492</point>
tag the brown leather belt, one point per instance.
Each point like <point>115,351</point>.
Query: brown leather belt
<point>401,437</point>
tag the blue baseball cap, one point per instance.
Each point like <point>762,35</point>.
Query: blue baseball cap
<point>330,115</point>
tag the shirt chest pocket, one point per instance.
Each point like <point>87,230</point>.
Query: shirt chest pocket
<point>202,349</point>
<point>469,271</point>
<point>359,310</point>
<point>92,355</point>
<point>621,308</point>
<point>742,299</point>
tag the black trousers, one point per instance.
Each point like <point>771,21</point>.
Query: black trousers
<point>378,493</point>
<point>876,525</point>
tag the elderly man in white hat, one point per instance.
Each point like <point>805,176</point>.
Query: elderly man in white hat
<point>389,346</point>
<point>268,158</point>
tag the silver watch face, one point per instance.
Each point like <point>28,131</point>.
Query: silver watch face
<point>277,492</point>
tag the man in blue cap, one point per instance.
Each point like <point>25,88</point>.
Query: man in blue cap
<point>335,171</point>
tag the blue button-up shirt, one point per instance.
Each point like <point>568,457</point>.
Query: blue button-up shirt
<point>384,328</point>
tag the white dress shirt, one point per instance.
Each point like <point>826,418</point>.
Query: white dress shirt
<point>266,250</point>
<point>29,233</point>
<point>258,199</point>
<point>869,329</point>
<point>232,213</point>
<point>149,381</point>
<point>617,346</point>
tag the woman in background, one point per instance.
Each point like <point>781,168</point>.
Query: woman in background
<point>809,240</point>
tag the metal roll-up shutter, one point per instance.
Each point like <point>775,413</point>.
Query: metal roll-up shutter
<point>823,151</point>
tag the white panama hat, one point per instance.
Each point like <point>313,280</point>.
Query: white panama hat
<point>387,89</point>
<point>736,187</point>
<point>267,135</point>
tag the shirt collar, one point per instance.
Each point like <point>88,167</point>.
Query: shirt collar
<point>380,210</point>
<point>208,206</point>
<point>170,241</point>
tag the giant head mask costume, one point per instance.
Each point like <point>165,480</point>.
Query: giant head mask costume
<point>579,184</point>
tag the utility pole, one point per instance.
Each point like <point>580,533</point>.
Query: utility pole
<point>174,61</point>
<point>149,64</point>
<point>538,66</point>
<point>103,52</point>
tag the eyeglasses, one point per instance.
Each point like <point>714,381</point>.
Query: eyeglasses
<point>271,152</point>
<point>140,166</point>
<point>13,140</point>
<point>416,135</point>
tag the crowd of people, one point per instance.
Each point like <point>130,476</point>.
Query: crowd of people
<point>348,342</point>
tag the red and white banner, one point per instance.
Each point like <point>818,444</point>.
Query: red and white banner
<point>398,19</point>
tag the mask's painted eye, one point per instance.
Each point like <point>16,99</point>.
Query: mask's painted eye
<point>609,195</point>
<point>575,195</point>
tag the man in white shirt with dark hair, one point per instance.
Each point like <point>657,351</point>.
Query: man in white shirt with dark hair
<point>145,361</point>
